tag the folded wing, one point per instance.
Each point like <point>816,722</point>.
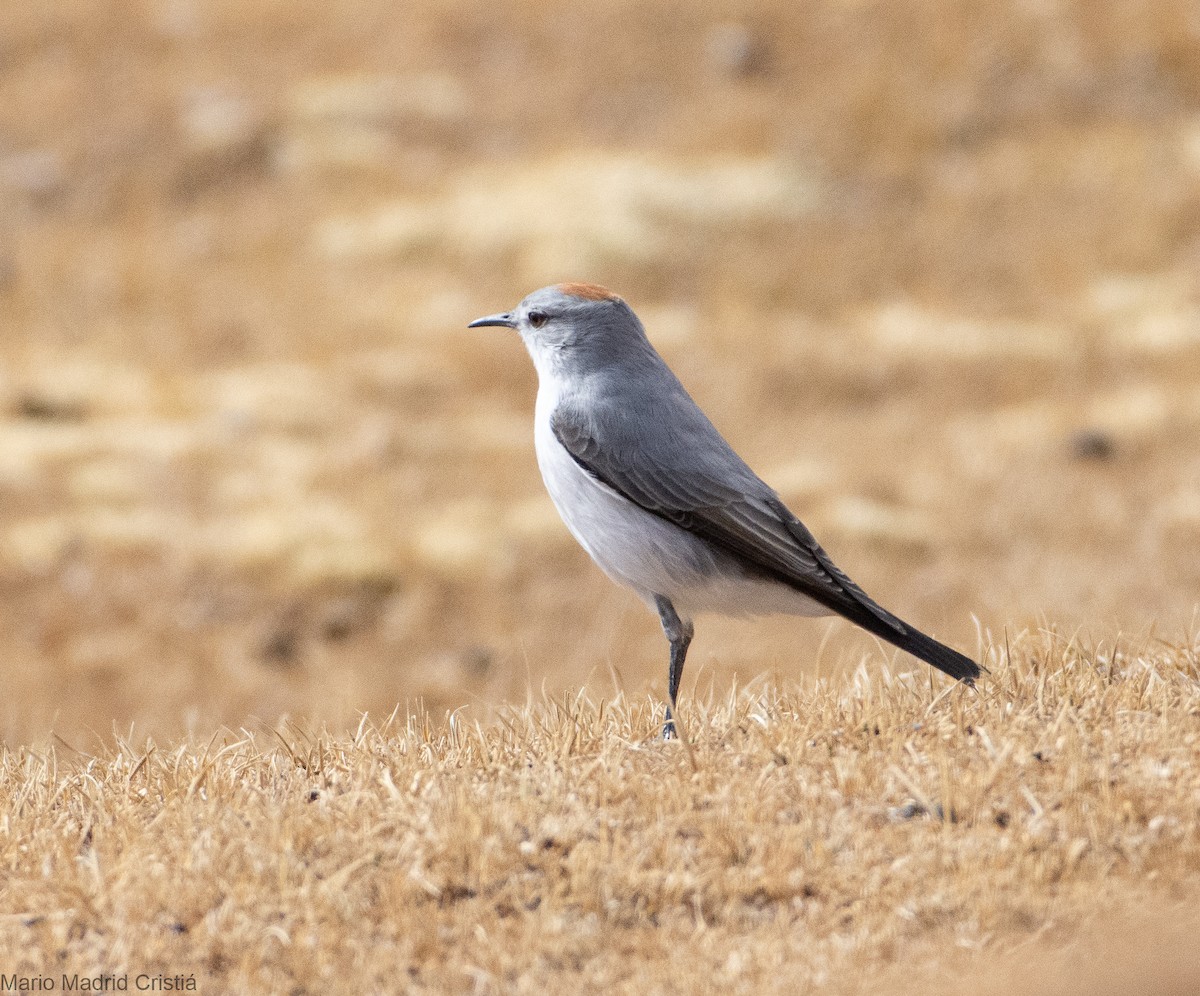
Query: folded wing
<point>684,472</point>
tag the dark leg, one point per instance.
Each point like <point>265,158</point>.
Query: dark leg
<point>679,633</point>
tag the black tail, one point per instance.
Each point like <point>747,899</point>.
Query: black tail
<point>848,600</point>
<point>938,654</point>
<point>883,624</point>
<point>855,605</point>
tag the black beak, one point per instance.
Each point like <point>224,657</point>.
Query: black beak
<point>506,320</point>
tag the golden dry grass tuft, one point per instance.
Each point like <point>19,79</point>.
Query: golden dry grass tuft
<point>873,830</point>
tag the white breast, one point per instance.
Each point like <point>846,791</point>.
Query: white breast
<point>612,529</point>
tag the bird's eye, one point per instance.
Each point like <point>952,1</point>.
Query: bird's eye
<point>538,318</point>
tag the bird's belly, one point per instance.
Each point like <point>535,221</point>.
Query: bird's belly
<point>629,544</point>
<point>651,555</point>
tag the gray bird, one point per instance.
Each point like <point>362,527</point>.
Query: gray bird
<point>656,496</point>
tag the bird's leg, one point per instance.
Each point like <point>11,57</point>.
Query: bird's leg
<point>679,633</point>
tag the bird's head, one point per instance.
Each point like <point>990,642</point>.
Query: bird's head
<point>573,327</point>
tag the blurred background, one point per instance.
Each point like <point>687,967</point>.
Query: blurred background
<point>931,266</point>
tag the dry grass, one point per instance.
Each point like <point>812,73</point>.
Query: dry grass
<point>841,836</point>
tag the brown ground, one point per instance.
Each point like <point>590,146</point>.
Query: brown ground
<point>930,266</point>
<point>1040,837</point>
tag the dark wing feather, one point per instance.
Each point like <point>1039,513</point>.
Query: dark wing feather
<point>697,482</point>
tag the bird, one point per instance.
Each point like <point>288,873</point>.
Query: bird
<point>657,497</point>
